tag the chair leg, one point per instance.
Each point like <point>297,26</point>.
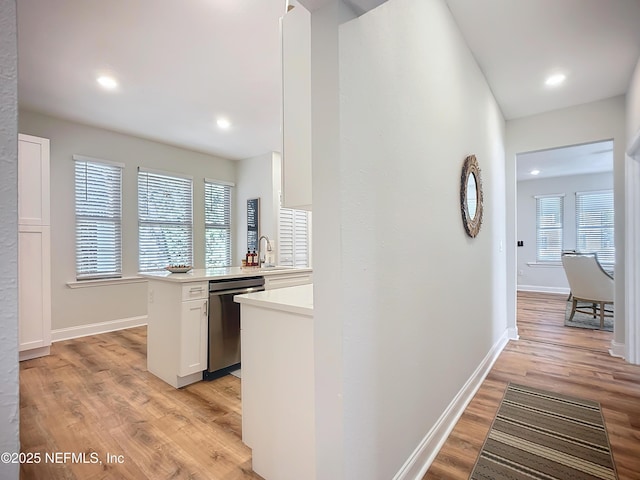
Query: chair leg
<point>593,307</point>
<point>601,315</point>
<point>574,304</point>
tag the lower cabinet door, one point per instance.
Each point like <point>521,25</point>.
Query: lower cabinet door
<point>193,337</point>
<point>34,288</point>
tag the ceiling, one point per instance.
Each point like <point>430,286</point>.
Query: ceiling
<point>559,162</point>
<point>181,65</point>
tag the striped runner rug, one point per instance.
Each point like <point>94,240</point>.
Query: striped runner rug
<point>543,435</point>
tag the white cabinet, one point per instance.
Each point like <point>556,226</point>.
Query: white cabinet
<point>177,331</point>
<point>34,247</point>
<point>296,109</point>
<point>287,280</point>
<point>278,416</point>
<point>193,337</point>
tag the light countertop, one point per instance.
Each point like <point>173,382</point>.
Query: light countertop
<point>298,299</point>
<point>202,274</point>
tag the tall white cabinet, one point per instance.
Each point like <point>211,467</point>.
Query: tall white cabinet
<point>295,30</point>
<point>34,247</point>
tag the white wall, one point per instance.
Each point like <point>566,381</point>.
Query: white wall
<point>547,278</point>
<point>257,177</point>
<point>75,307</point>
<point>423,303</point>
<point>587,123</point>
<point>9,399</point>
<point>632,199</point>
<point>326,243</point>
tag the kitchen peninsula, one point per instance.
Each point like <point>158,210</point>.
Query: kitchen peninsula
<point>178,316</point>
<point>278,417</point>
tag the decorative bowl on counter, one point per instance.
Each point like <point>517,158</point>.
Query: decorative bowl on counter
<point>179,268</point>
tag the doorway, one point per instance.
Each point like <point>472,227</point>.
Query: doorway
<point>564,201</point>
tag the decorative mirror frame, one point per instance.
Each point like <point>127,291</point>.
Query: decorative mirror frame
<point>471,224</point>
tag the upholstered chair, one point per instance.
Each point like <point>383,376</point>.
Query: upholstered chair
<point>589,283</point>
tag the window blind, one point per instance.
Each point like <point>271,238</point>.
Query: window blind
<point>594,224</point>
<point>293,238</point>
<point>549,232</point>
<point>165,220</point>
<point>98,205</point>
<point>217,207</point>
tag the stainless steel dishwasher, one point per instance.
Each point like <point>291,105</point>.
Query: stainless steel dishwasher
<point>224,322</point>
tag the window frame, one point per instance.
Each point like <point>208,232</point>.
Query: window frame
<point>295,235</point>
<point>558,226</point>
<point>103,168</point>
<point>177,256</point>
<point>604,259</point>
<point>211,225</point>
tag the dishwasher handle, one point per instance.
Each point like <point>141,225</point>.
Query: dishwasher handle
<point>236,291</point>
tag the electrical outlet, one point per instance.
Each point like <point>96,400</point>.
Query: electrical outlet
<point>151,295</point>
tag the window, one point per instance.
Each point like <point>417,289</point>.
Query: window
<point>293,238</point>
<point>98,195</point>
<point>217,214</point>
<point>549,236</point>
<point>165,220</point>
<point>594,224</point>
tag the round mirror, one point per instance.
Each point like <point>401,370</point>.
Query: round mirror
<point>471,196</point>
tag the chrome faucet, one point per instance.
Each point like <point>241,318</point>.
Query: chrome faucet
<point>269,249</point>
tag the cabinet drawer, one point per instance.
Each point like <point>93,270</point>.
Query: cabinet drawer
<point>282,281</point>
<point>195,291</point>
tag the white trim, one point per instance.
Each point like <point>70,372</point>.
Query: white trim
<point>543,289</point>
<point>418,463</point>
<point>550,195</point>
<point>101,282</point>
<point>84,158</point>
<point>34,353</point>
<point>512,333</point>
<point>61,334</point>
<point>164,173</point>
<point>617,349</point>
<point>632,250</point>
<point>545,264</point>
<point>587,192</point>
<point>219,182</point>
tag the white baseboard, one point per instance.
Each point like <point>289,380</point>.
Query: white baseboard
<point>34,353</point>
<point>97,328</point>
<point>512,333</point>
<point>418,463</point>
<point>542,289</point>
<point>617,349</point>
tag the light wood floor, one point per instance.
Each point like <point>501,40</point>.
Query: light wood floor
<point>95,395</point>
<point>565,360</point>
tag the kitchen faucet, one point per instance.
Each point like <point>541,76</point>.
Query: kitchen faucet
<point>260,260</point>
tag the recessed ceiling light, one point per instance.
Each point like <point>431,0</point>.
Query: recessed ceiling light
<point>223,123</point>
<point>555,80</point>
<point>109,83</point>
<point>534,172</point>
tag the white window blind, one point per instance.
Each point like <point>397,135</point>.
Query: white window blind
<point>165,220</point>
<point>549,233</point>
<point>293,238</point>
<point>594,224</point>
<point>98,195</point>
<point>217,208</point>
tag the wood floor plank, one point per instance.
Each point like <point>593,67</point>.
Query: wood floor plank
<point>94,394</point>
<point>553,357</point>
